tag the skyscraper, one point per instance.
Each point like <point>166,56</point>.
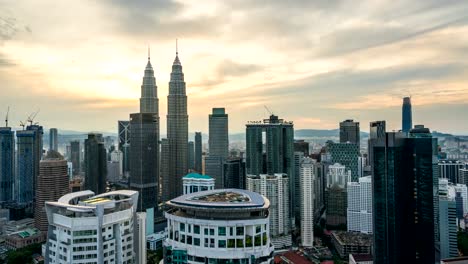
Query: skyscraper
<point>301,146</point>
<point>95,163</point>
<point>144,147</point>
<point>307,201</point>
<point>450,169</point>
<point>359,213</point>
<point>403,188</point>
<point>198,152</point>
<point>298,156</point>
<point>234,173</point>
<point>218,139</point>
<point>53,139</point>
<point>124,144</point>
<point>448,226</point>
<point>349,132</point>
<point>346,154</point>
<point>407,119</point>
<point>214,168</point>
<point>377,130</point>
<point>165,180</point>
<point>7,164</point>
<point>29,153</point>
<point>75,156</point>
<point>52,183</point>
<point>177,130</point>
<point>191,155</point>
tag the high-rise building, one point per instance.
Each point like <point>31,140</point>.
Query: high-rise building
<point>191,155</point>
<point>165,191</point>
<point>275,187</point>
<point>53,139</point>
<point>140,243</point>
<point>95,163</point>
<point>450,169</point>
<point>29,153</point>
<point>346,154</point>
<point>349,132</point>
<point>462,189</point>
<point>52,183</point>
<point>336,204</point>
<point>403,187</point>
<point>124,144</point>
<point>301,146</point>
<point>448,227</point>
<point>144,147</point>
<point>296,195</point>
<point>319,188</point>
<point>407,119</point>
<point>359,213</point>
<point>214,168</point>
<point>234,173</point>
<point>97,229</point>
<point>177,131</point>
<point>195,182</point>
<point>218,226</point>
<point>198,152</point>
<point>218,138</point>
<point>307,201</point>
<point>7,164</point>
<point>270,150</point>
<point>377,130</point>
<point>75,157</point>
<point>338,175</point>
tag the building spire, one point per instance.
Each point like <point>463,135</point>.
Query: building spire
<point>149,53</point>
<point>176,48</point>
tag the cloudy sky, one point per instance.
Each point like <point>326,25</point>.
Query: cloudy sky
<point>313,62</point>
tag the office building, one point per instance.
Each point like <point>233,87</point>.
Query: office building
<point>75,156</point>
<point>144,146</point>
<point>84,228</point>
<point>28,155</point>
<point>296,195</point>
<point>95,163</point>
<point>307,179</point>
<point>198,152</point>
<point>140,243</point>
<point>403,187</point>
<point>301,146</point>
<point>347,243</point>
<point>338,175</point>
<point>234,173</point>
<point>52,183</point>
<point>165,191</point>
<point>177,131</point>
<point>450,169</point>
<point>448,226</point>
<point>407,119</point>
<point>214,168</point>
<point>117,156</point>
<point>7,164</point>
<point>218,226</point>
<point>346,154</point>
<point>194,182</point>
<point>53,139</point>
<point>349,132</point>
<point>276,188</point>
<point>191,155</point>
<point>336,204</point>
<point>218,138</point>
<point>124,144</point>
<point>359,212</point>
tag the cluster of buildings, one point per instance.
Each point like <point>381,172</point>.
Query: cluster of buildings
<point>109,204</point>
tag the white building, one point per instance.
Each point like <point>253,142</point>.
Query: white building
<point>194,182</point>
<point>84,228</point>
<point>359,212</point>
<point>218,226</point>
<point>117,156</point>
<point>461,188</point>
<point>307,177</point>
<point>276,189</point>
<point>140,245</point>
<point>338,175</point>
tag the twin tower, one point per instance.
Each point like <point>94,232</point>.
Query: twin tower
<point>154,172</point>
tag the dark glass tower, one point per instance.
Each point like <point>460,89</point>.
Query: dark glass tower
<point>377,130</point>
<point>75,157</point>
<point>144,145</point>
<point>198,152</point>
<point>53,139</point>
<point>191,155</point>
<point>349,132</point>
<point>404,189</point>
<point>95,163</point>
<point>407,119</point>
<point>218,139</point>
<point>234,173</point>
<point>7,164</point>
<point>124,144</point>
<point>177,131</point>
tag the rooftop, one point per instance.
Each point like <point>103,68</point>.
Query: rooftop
<point>222,198</point>
<point>194,175</point>
<point>352,238</point>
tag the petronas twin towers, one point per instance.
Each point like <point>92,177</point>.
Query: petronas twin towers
<point>147,166</point>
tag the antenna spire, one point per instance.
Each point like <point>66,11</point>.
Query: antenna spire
<point>149,53</point>
<point>176,48</point>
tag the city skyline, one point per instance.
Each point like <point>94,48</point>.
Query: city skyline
<point>357,65</point>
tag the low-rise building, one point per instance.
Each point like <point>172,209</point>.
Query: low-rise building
<point>195,182</point>
<point>24,238</point>
<point>155,240</point>
<point>347,243</point>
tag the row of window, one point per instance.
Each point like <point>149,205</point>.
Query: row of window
<point>239,230</point>
<point>249,241</point>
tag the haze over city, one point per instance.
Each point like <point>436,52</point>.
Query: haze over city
<point>81,62</point>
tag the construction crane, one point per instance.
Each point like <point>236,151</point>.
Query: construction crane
<point>268,109</point>
<point>22,124</point>
<point>32,116</point>
<point>6,117</point>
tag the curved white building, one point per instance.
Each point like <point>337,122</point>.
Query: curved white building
<point>84,228</point>
<point>218,226</point>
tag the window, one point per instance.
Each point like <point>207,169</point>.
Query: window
<point>258,229</point>
<point>196,241</point>
<point>182,227</point>
<point>240,231</point>
<point>248,241</point>
<point>231,243</point>
<point>189,240</point>
<point>239,243</point>
<point>258,241</point>
<point>205,230</point>
<point>196,229</point>
<point>221,231</point>
<point>222,243</point>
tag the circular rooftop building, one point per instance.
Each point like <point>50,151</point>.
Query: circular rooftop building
<point>218,226</point>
